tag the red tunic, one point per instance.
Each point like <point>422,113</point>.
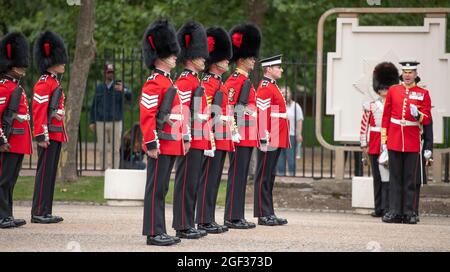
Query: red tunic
<point>406,137</point>
<point>199,128</point>
<point>222,124</point>
<point>247,127</point>
<point>152,96</point>
<point>42,95</point>
<point>371,126</point>
<point>273,124</point>
<point>20,137</point>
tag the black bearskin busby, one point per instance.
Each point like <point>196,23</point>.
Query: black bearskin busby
<point>159,41</point>
<point>246,40</point>
<point>385,75</point>
<point>219,45</point>
<point>49,50</point>
<point>192,40</point>
<point>14,51</point>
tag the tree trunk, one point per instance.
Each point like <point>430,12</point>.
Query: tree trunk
<point>84,55</point>
<point>256,10</point>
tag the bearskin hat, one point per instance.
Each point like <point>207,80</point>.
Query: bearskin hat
<point>246,41</point>
<point>385,75</point>
<point>219,45</point>
<point>49,50</point>
<point>192,40</point>
<point>159,41</point>
<point>14,51</point>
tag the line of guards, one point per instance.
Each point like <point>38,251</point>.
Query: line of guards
<point>48,118</point>
<point>194,123</point>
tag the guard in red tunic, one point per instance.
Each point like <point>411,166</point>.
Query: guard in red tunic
<point>219,47</point>
<point>194,51</point>
<point>161,123</point>
<point>48,119</point>
<point>385,75</point>
<point>15,132</point>
<point>246,41</point>
<point>407,107</point>
<point>273,130</point>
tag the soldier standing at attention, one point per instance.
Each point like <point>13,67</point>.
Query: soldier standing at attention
<point>385,75</point>
<point>48,119</point>
<point>194,51</point>
<point>15,132</point>
<point>246,41</point>
<point>273,130</point>
<point>161,124</point>
<point>407,107</point>
<point>219,47</point>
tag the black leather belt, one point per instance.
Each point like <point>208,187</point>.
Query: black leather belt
<point>221,135</point>
<point>17,131</point>
<point>166,136</point>
<point>197,132</point>
<point>52,128</point>
<point>246,123</point>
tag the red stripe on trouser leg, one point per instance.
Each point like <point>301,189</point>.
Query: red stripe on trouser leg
<point>232,183</point>
<point>153,198</point>
<point>182,197</point>
<point>260,184</point>
<point>204,191</point>
<point>42,180</point>
<point>415,175</point>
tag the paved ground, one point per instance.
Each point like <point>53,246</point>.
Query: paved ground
<point>105,228</point>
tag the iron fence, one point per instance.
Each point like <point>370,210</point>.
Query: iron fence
<point>94,156</point>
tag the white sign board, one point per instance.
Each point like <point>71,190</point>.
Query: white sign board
<point>360,48</point>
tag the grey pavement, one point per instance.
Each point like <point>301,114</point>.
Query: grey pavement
<point>106,228</point>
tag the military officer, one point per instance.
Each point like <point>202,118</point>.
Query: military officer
<point>385,75</point>
<point>273,130</point>
<point>407,106</point>
<point>48,118</point>
<point>15,132</point>
<point>219,47</point>
<point>194,51</point>
<point>246,41</point>
<point>162,128</point>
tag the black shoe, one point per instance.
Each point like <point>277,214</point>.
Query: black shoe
<point>161,239</point>
<point>18,222</point>
<point>239,224</point>
<point>190,233</point>
<point>7,223</point>
<point>236,224</point>
<point>210,228</point>
<point>410,219</point>
<point>267,221</point>
<point>223,228</point>
<point>392,218</point>
<point>46,219</point>
<point>280,221</point>
<point>202,232</point>
<point>376,214</point>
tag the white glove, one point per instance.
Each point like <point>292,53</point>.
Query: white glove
<point>209,153</point>
<point>384,157</point>
<point>236,137</point>
<point>414,110</point>
<point>427,154</point>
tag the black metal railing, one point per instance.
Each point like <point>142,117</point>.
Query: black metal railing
<point>299,75</point>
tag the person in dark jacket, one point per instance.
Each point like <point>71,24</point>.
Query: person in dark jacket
<point>107,115</point>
